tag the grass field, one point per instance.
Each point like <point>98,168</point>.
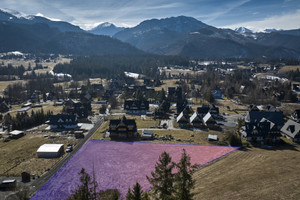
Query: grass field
<point>19,155</point>
<point>166,84</point>
<point>289,68</point>
<point>200,136</point>
<point>252,174</point>
<point>4,84</point>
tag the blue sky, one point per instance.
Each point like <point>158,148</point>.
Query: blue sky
<point>254,14</point>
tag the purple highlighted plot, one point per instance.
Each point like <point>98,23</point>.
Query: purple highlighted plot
<point>119,165</point>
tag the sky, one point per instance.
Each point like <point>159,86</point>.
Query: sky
<point>254,14</point>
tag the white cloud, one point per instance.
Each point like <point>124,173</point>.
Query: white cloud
<point>226,9</point>
<point>285,22</point>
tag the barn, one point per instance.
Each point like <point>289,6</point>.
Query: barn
<point>50,151</point>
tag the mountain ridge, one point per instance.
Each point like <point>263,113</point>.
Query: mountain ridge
<point>106,28</point>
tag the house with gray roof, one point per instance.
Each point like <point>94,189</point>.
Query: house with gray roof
<point>275,117</point>
<point>264,131</point>
<point>291,129</point>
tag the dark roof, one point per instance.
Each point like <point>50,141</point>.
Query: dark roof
<point>136,105</point>
<point>257,129</point>
<point>63,119</point>
<point>203,110</point>
<point>117,122</point>
<point>256,116</point>
<point>208,108</point>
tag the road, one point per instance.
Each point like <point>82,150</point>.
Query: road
<point>38,183</point>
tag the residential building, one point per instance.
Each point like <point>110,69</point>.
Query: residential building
<point>63,121</point>
<point>122,128</point>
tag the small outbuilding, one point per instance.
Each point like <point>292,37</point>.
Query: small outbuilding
<point>8,184</point>
<point>25,176</point>
<point>50,151</point>
<point>147,134</point>
<point>16,134</point>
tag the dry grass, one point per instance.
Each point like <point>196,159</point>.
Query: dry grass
<point>253,174</point>
<point>46,108</point>
<point>166,84</point>
<point>19,155</point>
<point>234,108</point>
<point>289,68</point>
<point>4,84</point>
<point>200,137</point>
<point>243,67</point>
<point>289,108</point>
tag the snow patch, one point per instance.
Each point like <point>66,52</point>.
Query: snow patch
<point>133,75</point>
<point>41,15</point>
<point>60,75</point>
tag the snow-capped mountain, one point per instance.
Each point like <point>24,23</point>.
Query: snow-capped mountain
<point>243,30</point>
<point>106,29</point>
<point>189,37</point>
<point>21,18</point>
<point>271,30</point>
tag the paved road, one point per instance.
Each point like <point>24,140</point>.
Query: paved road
<point>38,183</point>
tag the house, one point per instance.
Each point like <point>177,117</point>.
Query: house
<point>296,115</point>
<point>162,111</point>
<point>211,108</point>
<point>264,131</point>
<point>217,94</point>
<point>274,116</point>
<point>63,121</point>
<point>8,184</point>
<point>183,120</point>
<point>181,104</point>
<point>122,128</point>
<point>209,121</point>
<point>202,111</point>
<point>291,129</point>
<point>196,121</point>
<point>50,150</point>
<point>4,107</point>
<point>136,107</point>
<point>80,109</point>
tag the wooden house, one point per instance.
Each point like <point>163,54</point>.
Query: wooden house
<point>136,107</point>
<point>264,131</point>
<point>209,121</point>
<point>196,121</point>
<point>63,121</point>
<point>183,120</point>
<point>122,128</point>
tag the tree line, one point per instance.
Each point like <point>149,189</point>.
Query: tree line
<point>111,65</point>
<point>165,184</point>
<point>24,121</point>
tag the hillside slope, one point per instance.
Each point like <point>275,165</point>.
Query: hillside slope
<point>252,174</point>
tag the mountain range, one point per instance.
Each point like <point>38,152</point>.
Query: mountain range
<point>184,36</point>
<point>34,34</point>
<point>106,28</point>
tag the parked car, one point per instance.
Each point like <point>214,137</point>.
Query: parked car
<point>69,149</point>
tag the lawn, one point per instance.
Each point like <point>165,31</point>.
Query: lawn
<point>289,68</point>
<point>19,155</point>
<point>120,165</point>
<point>251,174</point>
